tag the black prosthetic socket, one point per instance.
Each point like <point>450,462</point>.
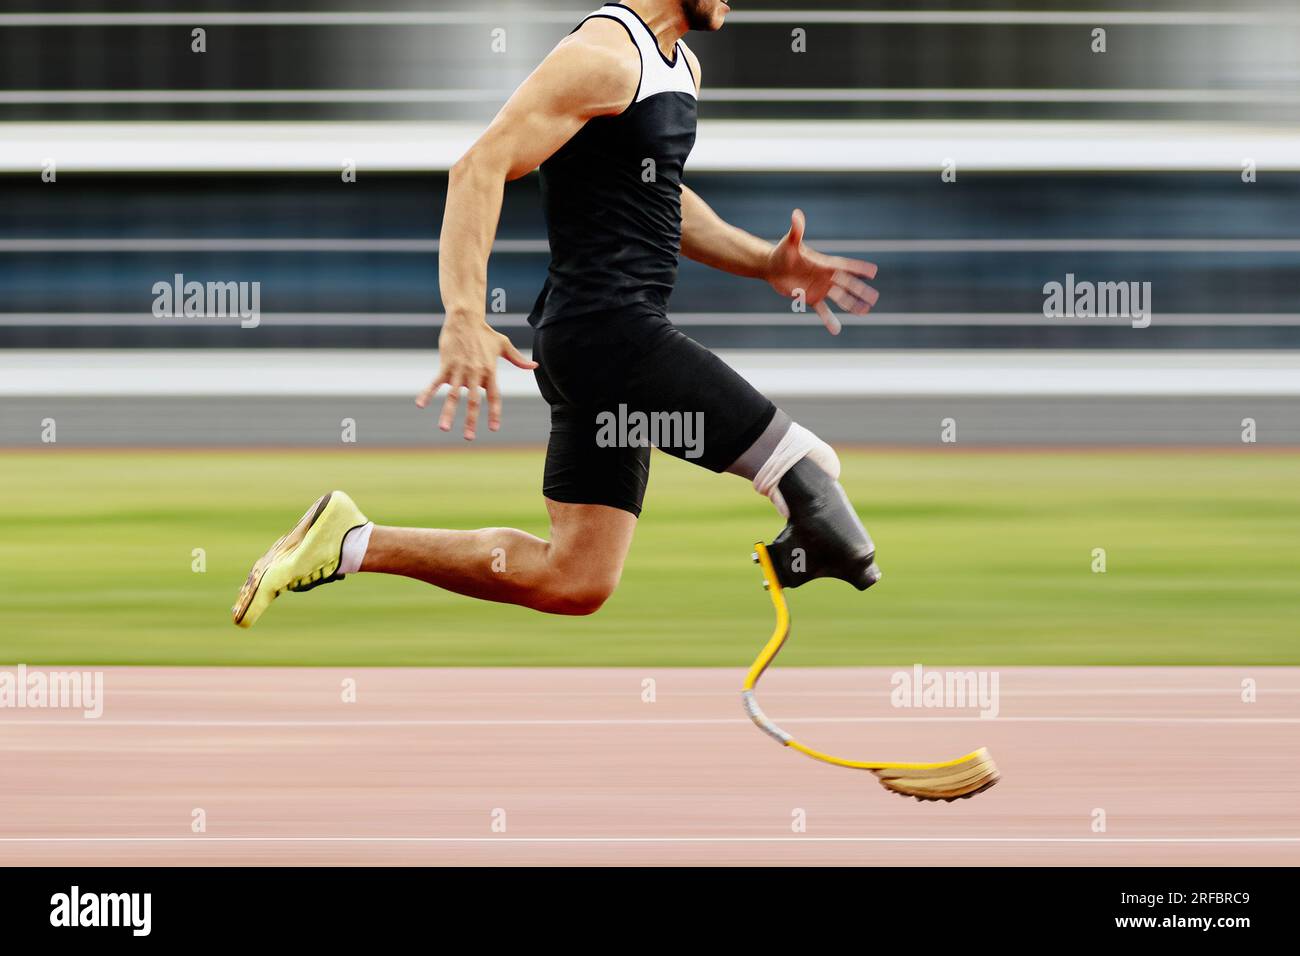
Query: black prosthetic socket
<point>823,538</point>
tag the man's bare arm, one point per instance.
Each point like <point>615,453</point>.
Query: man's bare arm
<point>592,72</point>
<point>707,238</point>
<point>790,267</point>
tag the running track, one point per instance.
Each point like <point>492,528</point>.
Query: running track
<point>588,772</point>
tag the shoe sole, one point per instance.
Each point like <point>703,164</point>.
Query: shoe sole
<point>283,546</point>
<point>956,782</point>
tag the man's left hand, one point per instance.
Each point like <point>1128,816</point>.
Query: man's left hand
<point>794,268</point>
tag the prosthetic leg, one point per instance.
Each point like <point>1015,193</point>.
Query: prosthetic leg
<point>824,538</point>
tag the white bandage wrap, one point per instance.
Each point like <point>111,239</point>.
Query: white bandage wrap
<point>355,544</point>
<point>797,443</point>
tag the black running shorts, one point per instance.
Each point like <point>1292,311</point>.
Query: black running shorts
<point>618,383</point>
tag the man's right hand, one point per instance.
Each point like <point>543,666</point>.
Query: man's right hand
<point>594,71</point>
<point>468,351</point>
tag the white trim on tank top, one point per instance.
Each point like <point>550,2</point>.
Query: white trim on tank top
<point>658,74</point>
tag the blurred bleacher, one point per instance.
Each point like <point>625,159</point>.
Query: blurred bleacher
<point>224,165</point>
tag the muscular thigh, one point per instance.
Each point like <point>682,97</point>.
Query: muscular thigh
<point>590,542</point>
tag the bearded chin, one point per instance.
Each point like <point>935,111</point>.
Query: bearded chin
<point>698,17</point>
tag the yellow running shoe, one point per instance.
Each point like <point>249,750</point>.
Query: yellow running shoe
<point>306,557</point>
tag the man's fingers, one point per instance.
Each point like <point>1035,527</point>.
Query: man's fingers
<point>797,225</point>
<point>494,404</point>
<point>422,400</point>
<point>449,407</point>
<point>859,267</point>
<point>857,288</point>
<point>828,317</point>
<point>471,413</point>
<point>859,297</point>
<point>848,301</point>
<point>845,300</point>
<point>513,356</point>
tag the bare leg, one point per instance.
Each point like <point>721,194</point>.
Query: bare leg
<point>573,573</point>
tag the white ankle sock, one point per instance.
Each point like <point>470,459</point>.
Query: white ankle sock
<point>355,543</point>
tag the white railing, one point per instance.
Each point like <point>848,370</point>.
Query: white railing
<point>722,146</point>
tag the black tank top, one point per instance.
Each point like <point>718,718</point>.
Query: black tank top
<point>612,194</point>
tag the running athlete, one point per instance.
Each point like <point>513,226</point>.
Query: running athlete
<point>609,117</point>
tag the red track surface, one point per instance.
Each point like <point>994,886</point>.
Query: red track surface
<point>588,773</point>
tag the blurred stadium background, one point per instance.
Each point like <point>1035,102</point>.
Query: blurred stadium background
<point>227,165</point>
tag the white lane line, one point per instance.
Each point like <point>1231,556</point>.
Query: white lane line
<point>1234,692</point>
<point>199,840</point>
<point>646,722</point>
<point>471,698</point>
